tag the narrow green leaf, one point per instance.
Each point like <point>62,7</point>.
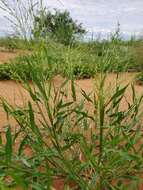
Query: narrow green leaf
<point>65,105</point>
<point>87,97</point>
<point>22,144</point>
<point>8,146</point>
<point>33,125</point>
<point>0,139</point>
<point>118,93</point>
<point>73,90</point>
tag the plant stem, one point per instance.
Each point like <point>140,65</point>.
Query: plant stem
<point>101,124</point>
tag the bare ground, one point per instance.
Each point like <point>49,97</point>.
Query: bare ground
<point>6,56</point>
<point>15,94</point>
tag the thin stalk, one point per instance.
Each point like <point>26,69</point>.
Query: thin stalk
<point>101,124</point>
<point>101,116</point>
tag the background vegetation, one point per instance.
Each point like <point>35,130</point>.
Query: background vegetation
<point>58,25</point>
<point>83,60</point>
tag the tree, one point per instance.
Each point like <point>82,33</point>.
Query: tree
<point>58,26</point>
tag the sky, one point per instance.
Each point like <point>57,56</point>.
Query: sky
<point>98,16</point>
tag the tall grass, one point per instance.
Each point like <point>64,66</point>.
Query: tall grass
<point>95,147</point>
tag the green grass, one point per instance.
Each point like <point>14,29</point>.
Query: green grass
<point>92,148</point>
<point>81,61</point>
<point>14,43</point>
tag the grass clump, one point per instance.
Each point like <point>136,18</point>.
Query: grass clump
<point>5,73</point>
<point>18,68</point>
<point>83,71</point>
<point>96,148</point>
<point>14,71</point>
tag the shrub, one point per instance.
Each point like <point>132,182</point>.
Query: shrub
<point>14,71</point>
<point>5,73</point>
<point>79,71</point>
<point>60,26</point>
<point>138,49</point>
<point>18,69</point>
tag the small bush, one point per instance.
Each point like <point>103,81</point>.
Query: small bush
<point>79,71</point>
<point>19,70</point>
<point>13,71</point>
<point>83,71</point>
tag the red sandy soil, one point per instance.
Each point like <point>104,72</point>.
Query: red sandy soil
<point>16,95</point>
<point>5,56</point>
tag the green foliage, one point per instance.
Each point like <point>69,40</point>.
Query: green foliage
<point>5,73</point>
<point>58,25</point>
<point>138,50</point>
<point>139,78</point>
<point>81,61</point>
<point>8,43</point>
<point>92,148</point>
<point>14,71</point>
<point>14,43</point>
<point>83,71</point>
<point>18,69</point>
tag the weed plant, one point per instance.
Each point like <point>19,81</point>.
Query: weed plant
<point>97,147</point>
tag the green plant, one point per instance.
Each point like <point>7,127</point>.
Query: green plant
<point>15,43</point>
<point>58,25</point>
<point>15,71</point>
<point>5,72</point>
<point>139,78</point>
<point>80,61</point>
<point>18,69</point>
<point>96,148</point>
